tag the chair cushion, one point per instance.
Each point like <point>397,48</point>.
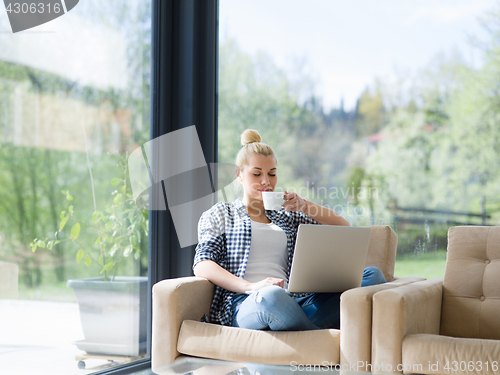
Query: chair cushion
<point>471,288</point>
<point>464,356</point>
<point>271,347</point>
<point>382,250</point>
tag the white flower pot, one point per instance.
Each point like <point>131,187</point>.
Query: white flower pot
<point>113,315</point>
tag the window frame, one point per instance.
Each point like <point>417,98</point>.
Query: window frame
<point>184,69</point>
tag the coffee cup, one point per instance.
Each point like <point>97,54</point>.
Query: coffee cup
<point>273,200</point>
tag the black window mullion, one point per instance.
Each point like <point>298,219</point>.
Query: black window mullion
<point>184,92</point>
<point>184,81</point>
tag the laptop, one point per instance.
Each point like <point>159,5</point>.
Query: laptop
<point>328,258</point>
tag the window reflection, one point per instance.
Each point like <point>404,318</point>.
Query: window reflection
<point>74,96</point>
<point>389,128</point>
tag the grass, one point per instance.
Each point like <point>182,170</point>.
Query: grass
<point>428,265</point>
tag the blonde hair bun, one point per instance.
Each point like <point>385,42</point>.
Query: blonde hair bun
<point>252,145</point>
<point>250,136</point>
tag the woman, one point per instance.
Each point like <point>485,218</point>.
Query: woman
<point>247,252</point>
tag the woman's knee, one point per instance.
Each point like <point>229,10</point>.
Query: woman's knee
<point>373,276</point>
<point>270,295</point>
<point>373,271</point>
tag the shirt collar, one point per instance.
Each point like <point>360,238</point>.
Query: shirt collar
<point>238,204</point>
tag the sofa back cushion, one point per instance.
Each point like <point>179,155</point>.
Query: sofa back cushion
<point>471,289</point>
<point>382,250</point>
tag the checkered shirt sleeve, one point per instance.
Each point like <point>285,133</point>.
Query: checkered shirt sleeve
<point>211,237</point>
<point>223,237</point>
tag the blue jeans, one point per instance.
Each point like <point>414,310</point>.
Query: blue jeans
<point>273,308</point>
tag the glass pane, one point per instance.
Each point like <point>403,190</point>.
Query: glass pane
<point>385,111</point>
<point>74,104</point>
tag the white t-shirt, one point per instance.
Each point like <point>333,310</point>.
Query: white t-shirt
<point>268,255</point>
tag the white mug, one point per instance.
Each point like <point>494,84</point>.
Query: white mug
<point>273,200</point>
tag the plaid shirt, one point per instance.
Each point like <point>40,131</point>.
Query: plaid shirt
<point>224,234</point>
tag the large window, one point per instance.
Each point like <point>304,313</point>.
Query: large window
<point>74,103</point>
<point>385,111</point>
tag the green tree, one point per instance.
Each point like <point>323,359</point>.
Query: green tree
<point>255,93</point>
<point>31,178</point>
<point>371,115</point>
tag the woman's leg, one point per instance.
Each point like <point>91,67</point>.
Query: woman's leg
<point>324,308</point>
<point>372,276</point>
<point>271,308</point>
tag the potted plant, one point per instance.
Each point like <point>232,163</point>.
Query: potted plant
<point>112,308</point>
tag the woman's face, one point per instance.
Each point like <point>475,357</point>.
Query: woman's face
<point>258,175</point>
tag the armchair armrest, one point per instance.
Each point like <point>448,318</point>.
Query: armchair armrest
<point>398,312</point>
<point>407,280</point>
<point>174,301</point>
<point>356,322</point>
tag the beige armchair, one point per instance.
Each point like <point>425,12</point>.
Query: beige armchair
<point>178,305</point>
<point>449,326</point>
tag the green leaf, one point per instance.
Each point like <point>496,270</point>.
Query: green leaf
<point>63,223</point>
<point>88,260</point>
<point>97,216</point>
<point>68,196</point>
<point>128,250</point>
<point>115,181</point>
<point>100,259</point>
<point>113,250</point>
<point>137,255</point>
<point>33,247</point>
<point>40,243</point>
<point>109,264</point>
<point>75,231</point>
<point>79,255</point>
<point>123,188</point>
<point>50,244</point>
<point>117,199</point>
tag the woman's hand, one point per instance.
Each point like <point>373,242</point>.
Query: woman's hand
<point>266,282</point>
<point>322,215</point>
<point>211,271</point>
<point>294,203</point>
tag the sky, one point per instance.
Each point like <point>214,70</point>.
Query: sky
<point>347,43</point>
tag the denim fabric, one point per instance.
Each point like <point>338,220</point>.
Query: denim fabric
<point>273,308</point>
